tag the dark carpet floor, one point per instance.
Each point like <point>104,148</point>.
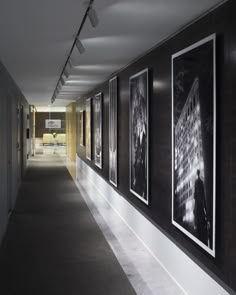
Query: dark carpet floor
<point>53,246</point>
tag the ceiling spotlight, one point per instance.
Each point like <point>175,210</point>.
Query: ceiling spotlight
<point>93,17</point>
<point>80,46</point>
<point>62,81</point>
<point>69,65</point>
<point>66,73</point>
<point>67,69</point>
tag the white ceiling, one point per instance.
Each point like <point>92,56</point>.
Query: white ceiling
<point>36,37</point>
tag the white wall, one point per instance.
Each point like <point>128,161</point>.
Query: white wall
<point>187,274</point>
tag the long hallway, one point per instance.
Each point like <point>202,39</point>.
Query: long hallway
<point>53,244</point>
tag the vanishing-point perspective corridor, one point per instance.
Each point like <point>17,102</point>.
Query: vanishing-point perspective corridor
<point>117,147</point>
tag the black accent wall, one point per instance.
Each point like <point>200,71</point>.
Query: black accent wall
<point>221,21</point>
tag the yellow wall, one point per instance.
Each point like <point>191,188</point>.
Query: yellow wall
<point>71,131</point>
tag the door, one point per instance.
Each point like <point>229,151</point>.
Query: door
<point>20,142</point>
<point>9,156</point>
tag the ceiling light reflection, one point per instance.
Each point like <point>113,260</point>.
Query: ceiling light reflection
<point>111,40</point>
<point>157,84</point>
<point>81,82</point>
<point>98,67</point>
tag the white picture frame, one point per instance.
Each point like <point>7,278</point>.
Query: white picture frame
<point>113,144</point>
<point>97,127</point>
<point>81,127</point>
<point>194,142</point>
<point>88,129</point>
<point>139,135</point>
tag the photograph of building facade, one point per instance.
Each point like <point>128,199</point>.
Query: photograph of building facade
<point>193,134</point>
<point>98,130</point>
<point>188,157</point>
<point>113,131</point>
<point>88,129</point>
<point>138,128</point>
<point>81,121</point>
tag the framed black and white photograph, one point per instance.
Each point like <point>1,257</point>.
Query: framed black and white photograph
<point>88,128</point>
<point>194,142</point>
<point>138,135</point>
<point>113,131</point>
<point>98,130</point>
<point>81,127</point>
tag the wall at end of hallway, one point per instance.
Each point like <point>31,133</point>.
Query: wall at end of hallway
<point>13,143</point>
<point>41,117</point>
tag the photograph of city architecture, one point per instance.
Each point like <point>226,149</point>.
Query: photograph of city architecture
<point>81,122</point>
<point>113,131</point>
<point>88,129</point>
<point>193,138</point>
<point>98,130</point>
<point>139,135</point>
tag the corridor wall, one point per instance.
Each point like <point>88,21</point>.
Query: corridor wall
<point>13,145</point>
<point>222,22</point>
<point>71,131</point>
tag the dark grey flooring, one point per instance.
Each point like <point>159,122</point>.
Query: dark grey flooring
<point>53,245</point>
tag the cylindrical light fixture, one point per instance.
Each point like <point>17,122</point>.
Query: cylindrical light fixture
<point>69,65</point>
<point>62,81</point>
<point>66,73</point>
<point>93,17</point>
<point>80,46</point>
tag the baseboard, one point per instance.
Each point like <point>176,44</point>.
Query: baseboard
<point>184,271</point>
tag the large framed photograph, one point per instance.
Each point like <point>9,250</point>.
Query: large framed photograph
<point>81,127</point>
<point>113,131</point>
<point>88,128</point>
<point>138,135</point>
<point>98,130</point>
<point>194,142</point>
